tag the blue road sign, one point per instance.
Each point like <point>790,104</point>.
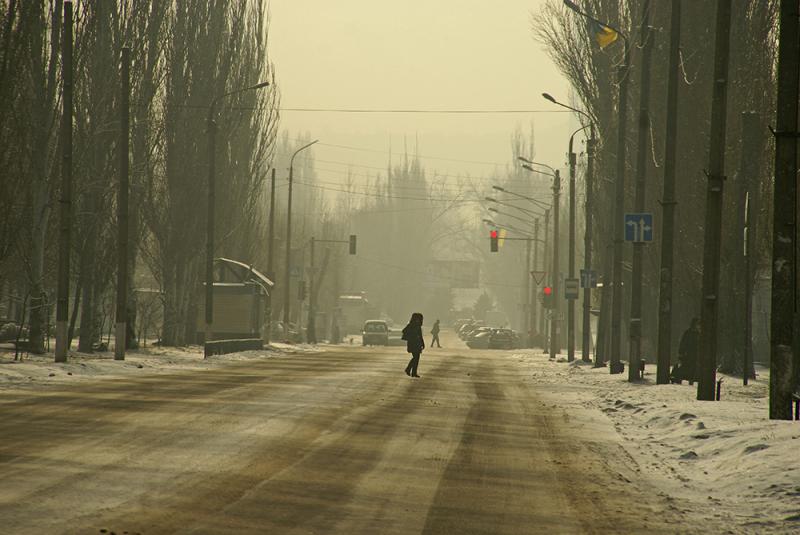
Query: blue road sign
<point>639,227</point>
<point>588,278</point>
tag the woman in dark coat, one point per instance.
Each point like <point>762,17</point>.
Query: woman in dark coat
<point>412,334</point>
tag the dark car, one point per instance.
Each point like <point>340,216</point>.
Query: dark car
<point>375,333</point>
<point>503,339</point>
<point>479,338</point>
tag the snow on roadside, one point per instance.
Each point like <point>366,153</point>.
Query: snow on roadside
<point>41,370</point>
<point>726,458</point>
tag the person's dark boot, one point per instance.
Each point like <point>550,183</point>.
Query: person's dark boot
<point>408,372</point>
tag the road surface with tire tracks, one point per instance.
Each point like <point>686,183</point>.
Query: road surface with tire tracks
<point>339,441</point>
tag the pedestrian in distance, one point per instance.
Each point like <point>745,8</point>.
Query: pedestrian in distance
<point>415,343</point>
<point>435,333</point>
<point>688,349</point>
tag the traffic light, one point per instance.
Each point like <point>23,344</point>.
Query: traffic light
<point>548,297</point>
<point>493,241</point>
<point>301,291</point>
<point>352,244</point>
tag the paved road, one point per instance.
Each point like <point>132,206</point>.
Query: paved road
<point>333,442</point>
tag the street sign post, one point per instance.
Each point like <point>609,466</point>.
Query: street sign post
<point>571,288</point>
<point>639,227</point>
<point>588,278</point>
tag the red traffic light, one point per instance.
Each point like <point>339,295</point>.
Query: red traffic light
<point>547,290</point>
<point>493,234</point>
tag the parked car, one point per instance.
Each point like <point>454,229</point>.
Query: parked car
<point>479,338</point>
<point>503,339</point>
<point>375,333</point>
<point>465,331</point>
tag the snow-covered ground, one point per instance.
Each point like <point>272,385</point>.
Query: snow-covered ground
<point>41,371</point>
<point>725,458</point>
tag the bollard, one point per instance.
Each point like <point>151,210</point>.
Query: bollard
<point>719,388</point>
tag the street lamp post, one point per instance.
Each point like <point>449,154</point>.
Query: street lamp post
<point>554,323</point>
<point>287,279</point>
<point>587,236</point>
<point>212,162</point>
<point>619,193</point>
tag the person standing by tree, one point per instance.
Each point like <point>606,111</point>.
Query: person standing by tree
<point>435,333</point>
<point>415,343</point>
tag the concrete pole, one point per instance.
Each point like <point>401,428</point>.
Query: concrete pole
<point>784,214</point>
<point>122,208</point>
<point>615,365</point>
<point>668,203</point>
<point>555,342</point>
<point>65,202</point>
<point>534,285</point>
<point>311,330</point>
<point>587,247</point>
<point>642,148</point>
<point>270,255</point>
<point>707,369</point>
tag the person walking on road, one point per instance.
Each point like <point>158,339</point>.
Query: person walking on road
<point>415,343</point>
<point>687,354</point>
<point>435,333</point>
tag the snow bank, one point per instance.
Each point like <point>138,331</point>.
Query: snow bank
<point>40,370</point>
<point>726,457</point>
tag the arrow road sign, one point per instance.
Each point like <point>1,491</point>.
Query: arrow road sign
<point>571,288</point>
<point>639,227</point>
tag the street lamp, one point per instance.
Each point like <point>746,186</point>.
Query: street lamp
<point>287,279</point>
<point>619,193</point>
<point>587,236</point>
<point>212,162</point>
<point>555,275</point>
<point>531,199</point>
<point>521,209</point>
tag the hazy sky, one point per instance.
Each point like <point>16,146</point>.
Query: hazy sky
<point>419,54</point>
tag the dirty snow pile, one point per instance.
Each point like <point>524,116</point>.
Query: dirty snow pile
<point>41,370</point>
<point>725,457</point>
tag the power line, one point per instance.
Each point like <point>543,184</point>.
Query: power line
<point>418,110</point>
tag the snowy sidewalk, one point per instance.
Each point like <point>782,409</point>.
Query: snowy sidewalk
<point>726,458</point>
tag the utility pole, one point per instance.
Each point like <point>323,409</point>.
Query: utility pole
<point>534,285</point>
<point>270,254</point>
<point>311,326</point>
<point>619,209</point>
<point>287,272</point>
<point>554,322</point>
<point>784,214</point>
<point>587,247</point>
<point>635,334</point>
<point>545,261</point>
<point>748,176</point>
<point>122,207</point>
<point>65,212</point>
<point>668,202</point>
<point>571,253</point>
<point>528,301</point>
<point>707,370</point>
